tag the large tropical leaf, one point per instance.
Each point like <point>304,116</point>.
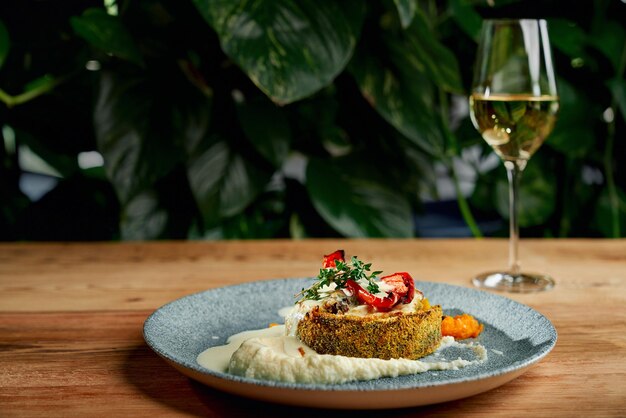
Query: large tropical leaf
<point>573,133</point>
<point>609,37</point>
<point>143,217</point>
<point>400,98</point>
<point>397,80</point>
<point>143,129</point>
<point>289,48</point>
<point>353,197</point>
<point>437,61</point>
<point>135,133</point>
<point>467,17</point>
<point>568,37</point>
<point>106,33</point>
<point>145,133</point>
<point>222,181</point>
<point>267,127</point>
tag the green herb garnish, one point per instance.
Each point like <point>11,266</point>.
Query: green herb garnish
<point>340,274</point>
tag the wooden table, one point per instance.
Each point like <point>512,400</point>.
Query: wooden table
<point>71,319</point>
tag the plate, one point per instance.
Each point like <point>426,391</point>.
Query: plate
<point>515,336</point>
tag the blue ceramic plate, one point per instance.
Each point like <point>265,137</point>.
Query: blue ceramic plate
<point>515,336</point>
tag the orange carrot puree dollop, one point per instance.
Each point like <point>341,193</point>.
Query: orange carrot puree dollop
<point>460,327</point>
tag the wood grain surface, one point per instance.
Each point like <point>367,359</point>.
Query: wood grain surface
<point>71,317</point>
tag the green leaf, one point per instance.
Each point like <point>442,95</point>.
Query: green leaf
<point>406,11</point>
<point>609,37</point>
<point>401,94</point>
<point>222,181</point>
<point>611,224</point>
<point>143,217</point>
<point>568,37</point>
<point>353,197</point>
<point>573,134</point>
<point>135,134</point>
<point>5,43</point>
<point>106,33</point>
<point>267,127</point>
<point>537,195</point>
<point>289,48</point>
<point>467,17</point>
<point>438,62</point>
<point>618,89</point>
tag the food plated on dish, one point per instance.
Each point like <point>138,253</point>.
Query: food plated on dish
<point>514,335</point>
<point>351,324</point>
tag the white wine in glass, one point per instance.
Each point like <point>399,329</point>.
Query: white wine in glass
<point>514,105</point>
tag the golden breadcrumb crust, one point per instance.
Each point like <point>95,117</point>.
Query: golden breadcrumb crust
<point>395,335</point>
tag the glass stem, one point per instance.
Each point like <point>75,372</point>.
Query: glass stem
<point>514,172</point>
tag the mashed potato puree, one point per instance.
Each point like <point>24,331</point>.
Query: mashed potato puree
<point>269,354</point>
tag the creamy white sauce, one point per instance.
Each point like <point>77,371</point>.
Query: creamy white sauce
<point>269,354</point>
<point>217,358</point>
<point>284,312</point>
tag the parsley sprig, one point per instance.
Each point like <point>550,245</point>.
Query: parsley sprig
<point>342,272</point>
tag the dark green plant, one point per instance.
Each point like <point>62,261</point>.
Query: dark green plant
<point>275,118</point>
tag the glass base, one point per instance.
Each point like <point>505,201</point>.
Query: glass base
<point>518,283</point>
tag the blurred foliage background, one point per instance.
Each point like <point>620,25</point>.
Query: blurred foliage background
<point>210,119</point>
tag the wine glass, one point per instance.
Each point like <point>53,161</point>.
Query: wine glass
<point>513,104</point>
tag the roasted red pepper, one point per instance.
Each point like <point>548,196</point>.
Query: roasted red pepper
<point>329,260</point>
<point>403,284</point>
<point>381,304</point>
